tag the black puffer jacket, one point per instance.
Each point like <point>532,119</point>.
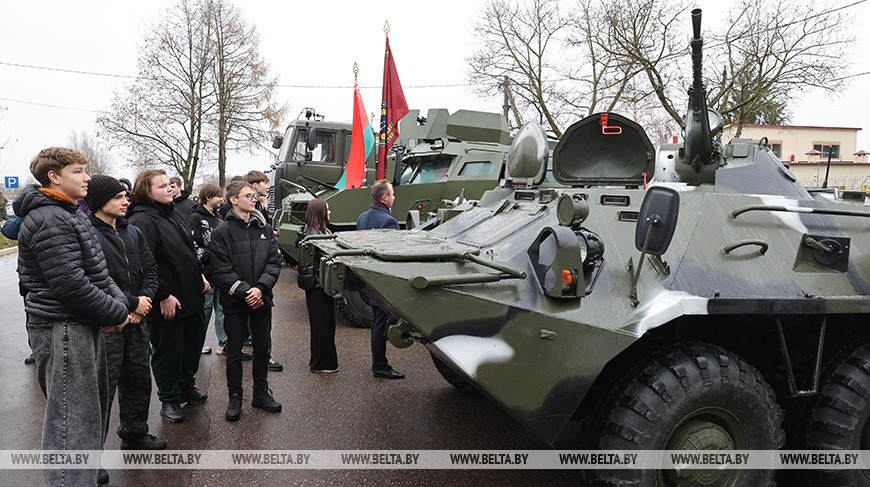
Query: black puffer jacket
<point>244,255</point>
<point>184,204</point>
<point>202,224</point>
<point>61,265</point>
<point>130,263</point>
<point>169,238</point>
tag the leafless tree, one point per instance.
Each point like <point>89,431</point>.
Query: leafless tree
<point>100,160</point>
<point>521,42</point>
<point>159,119</point>
<point>244,112</point>
<point>631,56</point>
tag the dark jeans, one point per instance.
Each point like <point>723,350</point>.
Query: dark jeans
<point>71,367</point>
<point>380,322</point>
<point>236,326</point>
<point>176,346</point>
<point>128,356</point>
<point>321,319</point>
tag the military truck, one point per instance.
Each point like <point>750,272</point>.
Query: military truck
<point>721,307</point>
<point>312,152</point>
<point>453,155</point>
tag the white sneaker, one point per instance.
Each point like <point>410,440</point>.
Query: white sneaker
<point>206,350</point>
<point>220,350</point>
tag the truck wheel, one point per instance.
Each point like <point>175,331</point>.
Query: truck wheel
<point>355,309</point>
<point>455,379</point>
<point>837,417</point>
<point>693,396</point>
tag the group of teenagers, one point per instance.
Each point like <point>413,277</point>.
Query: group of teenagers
<point>124,285</point>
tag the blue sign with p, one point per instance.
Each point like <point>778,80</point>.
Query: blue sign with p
<point>11,182</point>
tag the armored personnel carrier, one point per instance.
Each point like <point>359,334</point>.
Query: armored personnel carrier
<point>453,155</point>
<point>718,307</point>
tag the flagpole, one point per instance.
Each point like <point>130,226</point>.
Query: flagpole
<point>381,163</point>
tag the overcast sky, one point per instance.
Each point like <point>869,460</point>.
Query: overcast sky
<point>306,44</point>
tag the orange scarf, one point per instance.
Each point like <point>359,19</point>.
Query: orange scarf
<point>57,195</point>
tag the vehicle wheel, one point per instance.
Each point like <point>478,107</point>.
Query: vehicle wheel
<point>455,379</point>
<point>693,396</point>
<point>837,417</point>
<point>355,309</point>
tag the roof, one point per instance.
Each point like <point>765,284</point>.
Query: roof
<point>824,161</point>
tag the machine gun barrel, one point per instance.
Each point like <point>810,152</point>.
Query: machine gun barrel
<point>697,49</point>
<point>699,140</point>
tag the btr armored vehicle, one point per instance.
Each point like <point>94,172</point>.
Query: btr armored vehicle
<point>459,155</point>
<point>689,297</point>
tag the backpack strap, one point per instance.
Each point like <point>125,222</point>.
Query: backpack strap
<point>134,232</point>
<point>99,236</point>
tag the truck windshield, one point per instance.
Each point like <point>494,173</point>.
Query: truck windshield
<point>323,152</point>
<point>285,147</point>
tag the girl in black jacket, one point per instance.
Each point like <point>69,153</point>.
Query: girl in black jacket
<point>177,322</point>
<point>321,306</point>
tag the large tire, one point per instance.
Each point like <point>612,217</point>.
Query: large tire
<point>355,309</point>
<point>692,396</point>
<point>837,418</point>
<point>455,379</point>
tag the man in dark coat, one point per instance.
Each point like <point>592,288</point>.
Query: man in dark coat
<point>128,353</point>
<point>246,264</point>
<point>177,322</point>
<point>181,197</point>
<point>70,299</point>
<point>379,216</point>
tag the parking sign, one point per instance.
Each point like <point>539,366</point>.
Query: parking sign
<point>11,182</point>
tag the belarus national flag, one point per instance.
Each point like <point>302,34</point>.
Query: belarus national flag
<point>361,143</point>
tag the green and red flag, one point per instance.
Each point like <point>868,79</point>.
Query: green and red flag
<point>362,141</point>
<point>393,108</point>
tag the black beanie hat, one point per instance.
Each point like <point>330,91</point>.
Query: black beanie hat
<point>100,190</point>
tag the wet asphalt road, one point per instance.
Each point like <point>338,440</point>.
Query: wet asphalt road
<point>347,411</point>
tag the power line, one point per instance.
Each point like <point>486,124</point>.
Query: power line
<point>74,71</point>
<point>46,105</point>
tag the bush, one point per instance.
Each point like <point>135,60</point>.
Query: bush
<point>5,243</point>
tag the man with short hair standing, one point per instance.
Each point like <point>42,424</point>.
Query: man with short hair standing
<point>181,197</point>
<point>379,216</point>
<point>260,182</point>
<point>246,264</point>
<point>70,299</point>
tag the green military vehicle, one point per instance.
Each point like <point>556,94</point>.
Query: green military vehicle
<point>455,155</point>
<point>721,308</point>
<point>312,152</point>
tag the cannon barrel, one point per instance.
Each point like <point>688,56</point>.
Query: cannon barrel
<point>697,49</point>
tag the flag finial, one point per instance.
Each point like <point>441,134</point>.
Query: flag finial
<point>355,71</point>
<point>387,27</point>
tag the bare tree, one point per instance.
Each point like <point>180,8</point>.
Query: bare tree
<point>159,120</point>
<point>242,86</point>
<point>630,56</point>
<point>521,42</point>
<point>100,161</point>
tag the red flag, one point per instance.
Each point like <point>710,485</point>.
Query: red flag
<point>393,108</point>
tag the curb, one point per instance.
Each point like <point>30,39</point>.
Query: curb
<point>10,250</point>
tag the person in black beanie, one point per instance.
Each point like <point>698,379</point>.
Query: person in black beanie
<point>177,322</point>
<point>128,352</point>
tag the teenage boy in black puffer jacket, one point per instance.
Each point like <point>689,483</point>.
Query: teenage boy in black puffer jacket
<point>70,299</point>
<point>245,265</point>
<point>128,354</point>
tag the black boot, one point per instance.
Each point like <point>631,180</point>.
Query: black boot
<point>193,397</point>
<point>144,442</point>
<point>172,412</point>
<point>263,399</point>
<point>234,408</point>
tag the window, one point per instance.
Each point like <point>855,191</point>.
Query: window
<point>476,168</point>
<point>825,149</point>
<point>431,169</point>
<point>776,148</point>
<point>324,151</point>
